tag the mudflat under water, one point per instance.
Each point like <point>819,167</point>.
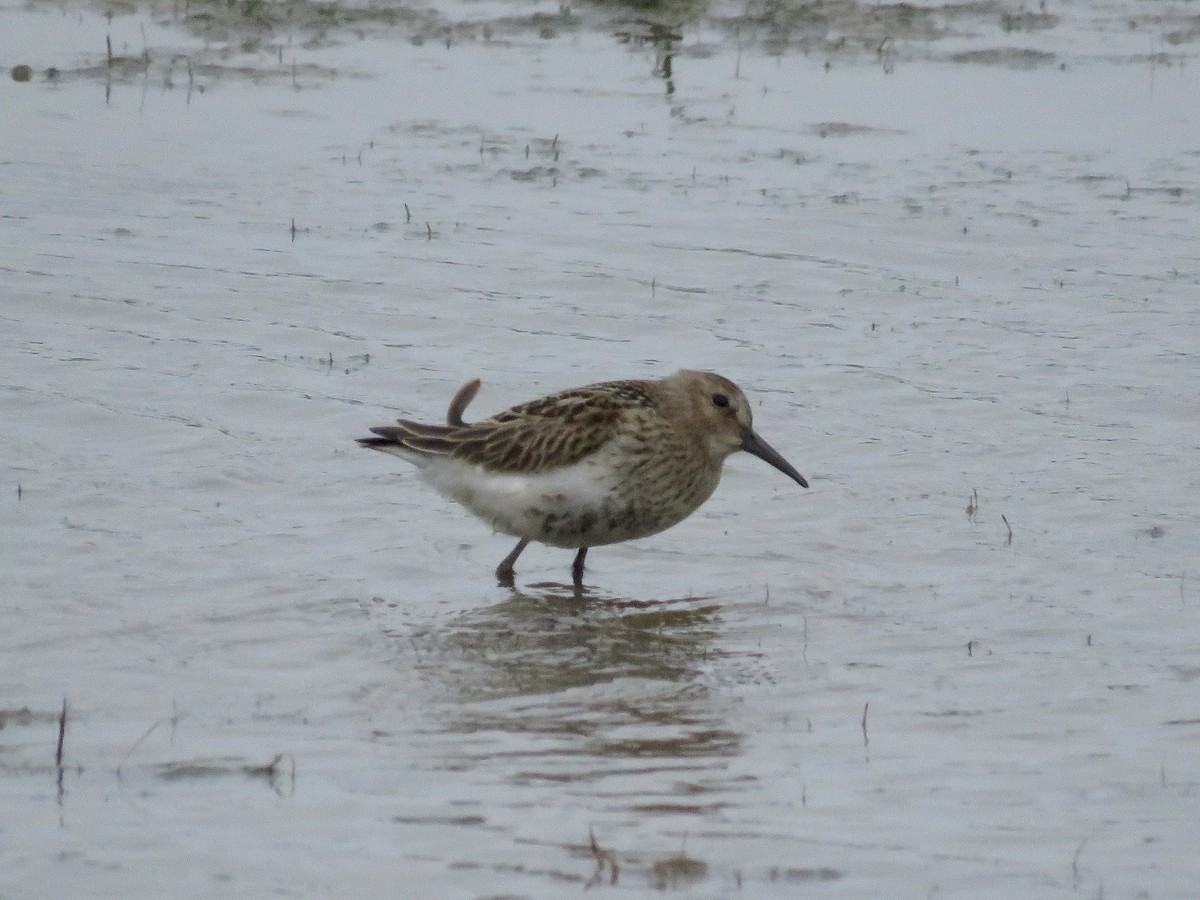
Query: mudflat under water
<point>949,252</point>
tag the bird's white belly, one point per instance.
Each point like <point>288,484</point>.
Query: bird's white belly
<point>584,505</point>
<point>562,507</point>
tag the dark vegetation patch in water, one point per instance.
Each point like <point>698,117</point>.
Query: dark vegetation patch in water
<point>257,39</point>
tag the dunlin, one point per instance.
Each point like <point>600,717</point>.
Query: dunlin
<point>588,466</point>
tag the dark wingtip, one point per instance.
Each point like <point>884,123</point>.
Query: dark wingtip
<point>386,435</point>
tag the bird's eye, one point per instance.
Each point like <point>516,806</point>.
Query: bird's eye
<point>720,401</point>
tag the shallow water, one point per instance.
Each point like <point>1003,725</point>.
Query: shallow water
<point>957,274</point>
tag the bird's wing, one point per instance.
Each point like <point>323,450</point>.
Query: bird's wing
<point>538,436</point>
<point>544,434</point>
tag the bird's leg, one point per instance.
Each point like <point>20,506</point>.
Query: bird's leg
<point>577,566</point>
<point>458,406</point>
<point>504,571</point>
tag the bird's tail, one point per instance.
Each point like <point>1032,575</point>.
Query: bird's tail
<point>426,440</point>
<point>416,437</point>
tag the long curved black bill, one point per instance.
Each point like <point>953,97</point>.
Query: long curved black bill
<point>752,443</point>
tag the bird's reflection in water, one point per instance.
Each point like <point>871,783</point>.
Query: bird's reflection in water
<point>553,676</point>
<point>552,638</point>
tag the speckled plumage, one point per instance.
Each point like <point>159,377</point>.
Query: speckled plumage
<point>587,466</point>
